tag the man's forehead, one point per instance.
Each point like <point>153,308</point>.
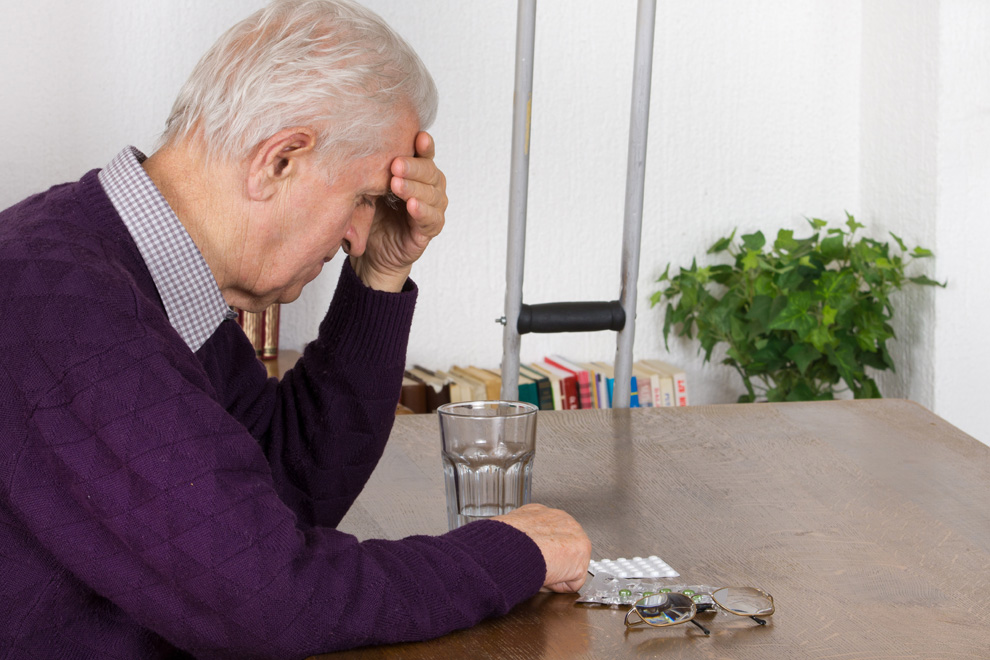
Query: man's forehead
<point>399,142</point>
<point>382,167</point>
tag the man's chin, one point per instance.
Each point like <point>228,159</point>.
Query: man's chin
<point>292,293</point>
<point>288,293</point>
<point>260,304</point>
<point>290,296</point>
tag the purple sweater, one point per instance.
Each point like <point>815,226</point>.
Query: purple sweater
<point>153,499</point>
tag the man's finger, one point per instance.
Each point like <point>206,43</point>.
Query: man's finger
<point>427,220</point>
<point>566,587</point>
<point>418,169</point>
<point>430,195</point>
<point>425,146</point>
<point>420,166</point>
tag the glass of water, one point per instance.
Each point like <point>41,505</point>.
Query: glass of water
<point>487,450</point>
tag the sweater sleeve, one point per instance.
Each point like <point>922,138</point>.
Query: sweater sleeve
<point>324,427</point>
<point>149,500</point>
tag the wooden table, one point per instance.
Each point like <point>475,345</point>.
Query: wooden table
<point>869,522</point>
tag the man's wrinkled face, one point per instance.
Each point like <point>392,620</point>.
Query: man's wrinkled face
<point>312,217</point>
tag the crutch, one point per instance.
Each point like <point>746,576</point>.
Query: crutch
<point>616,315</point>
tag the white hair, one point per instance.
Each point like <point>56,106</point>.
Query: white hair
<point>331,65</point>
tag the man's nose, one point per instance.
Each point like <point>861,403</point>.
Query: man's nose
<point>358,231</point>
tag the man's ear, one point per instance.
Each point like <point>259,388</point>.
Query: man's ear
<point>277,159</point>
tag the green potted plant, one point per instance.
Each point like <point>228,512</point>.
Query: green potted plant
<point>797,317</point>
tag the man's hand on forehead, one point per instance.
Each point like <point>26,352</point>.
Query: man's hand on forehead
<point>419,182</point>
<point>397,240</point>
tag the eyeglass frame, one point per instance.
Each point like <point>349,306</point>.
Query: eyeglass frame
<point>693,612</point>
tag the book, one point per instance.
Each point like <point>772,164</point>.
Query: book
<point>568,386</point>
<point>437,388</point>
<point>599,390</point>
<point>581,374</point>
<point>528,391</point>
<point>460,389</point>
<point>543,387</point>
<point>526,388</point>
<point>492,381</point>
<point>677,375</point>
<point>644,383</point>
<point>608,376</point>
<point>556,386</point>
<point>663,384</point>
<point>413,394</point>
<point>608,372</point>
<point>477,387</point>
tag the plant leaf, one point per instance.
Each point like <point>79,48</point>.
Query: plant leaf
<point>759,313</point>
<point>900,243</point>
<point>844,360</point>
<point>795,316</point>
<point>868,390</point>
<point>820,337</point>
<point>801,392</point>
<point>722,244</point>
<point>833,248</point>
<point>925,281</point>
<point>751,261</point>
<point>802,355</point>
<point>754,242</point>
<point>785,241</point>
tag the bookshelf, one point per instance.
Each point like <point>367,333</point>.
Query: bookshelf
<point>555,383</point>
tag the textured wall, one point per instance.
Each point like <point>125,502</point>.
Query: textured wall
<point>963,231</point>
<point>899,112</point>
<point>762,113</point>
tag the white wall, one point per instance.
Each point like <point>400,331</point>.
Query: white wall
<point>899,137</point>
<point>762,113</point>
<point>963,232</point>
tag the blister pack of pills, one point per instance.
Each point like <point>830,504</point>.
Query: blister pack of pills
<point>606,589</point>
<point>637,567</point>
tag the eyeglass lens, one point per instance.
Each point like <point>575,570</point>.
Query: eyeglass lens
<point>744,601</point>
<point>665,609</point>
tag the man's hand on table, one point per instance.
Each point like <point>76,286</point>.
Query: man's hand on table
<point>565,547</point>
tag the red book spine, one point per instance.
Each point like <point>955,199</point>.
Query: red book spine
<point>680,384</point>
<point>582,380</point>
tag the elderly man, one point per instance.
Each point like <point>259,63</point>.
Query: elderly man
<point>158,494</point>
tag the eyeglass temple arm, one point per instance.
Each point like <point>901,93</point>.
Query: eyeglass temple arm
<point>706,631</point>
<point>760,621</point>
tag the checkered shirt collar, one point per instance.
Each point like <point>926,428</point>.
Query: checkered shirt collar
<point>192,299</point>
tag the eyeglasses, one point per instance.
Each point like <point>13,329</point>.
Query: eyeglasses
<point>671,608</point>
